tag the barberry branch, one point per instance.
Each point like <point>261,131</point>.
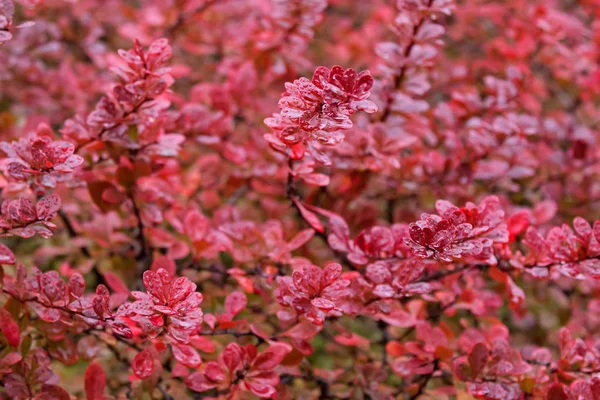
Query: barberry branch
<point>424,381</point>
<point>144,256</point>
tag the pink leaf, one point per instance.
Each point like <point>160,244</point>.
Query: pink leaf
<point>261,390</point>
<point>544,212</point>
<point>316,179</point>
<point>165,263</point>
<point>115,283</point>
<point>235,303</point>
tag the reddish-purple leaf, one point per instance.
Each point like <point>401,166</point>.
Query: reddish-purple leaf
<point>48,207</point>
<point>52,392</point>
<point>478,357</point>
<point>95,381</point>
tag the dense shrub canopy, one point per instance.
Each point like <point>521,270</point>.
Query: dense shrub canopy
<point>300,199</point>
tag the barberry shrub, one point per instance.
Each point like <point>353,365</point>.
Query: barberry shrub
<point>300,199</point>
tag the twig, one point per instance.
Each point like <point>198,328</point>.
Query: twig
<point>162,390</point>
<point>385,338</point>
<point>237,194</point>
<point>144,257</point>
<point>64,309</point>
<point>425,381</point>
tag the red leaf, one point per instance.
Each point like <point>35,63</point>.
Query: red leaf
<point>232,356</point>
<point>165,263</point>
<point>597,230</point>
<point>300,239</point>
<point>52,392</point>
<point>6,255</point>
<point>95,380</point>
<point>76,284</point>
<point>267,360</point>
<point>490,169</point>
<point>310,217</point>
<point>316,179</point>
<point>556,392</point>
<point>199,383</point>
<point>196,225</point>
<point>115,283</point>
<point>260,389</point>
<point>331,273</point>
<point>214,372</point>
<point>202,343</point>
<point>544,212</point>
<point>186,355</point>
<point>323,304</point>
<point>97,189</point>
<point>478,359</point>
<point>353,339</point>
<point>9,328</point>
<point>143,364</point>
<point>517,223</point>
<point>395,348</point>
<point>517,295</point>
